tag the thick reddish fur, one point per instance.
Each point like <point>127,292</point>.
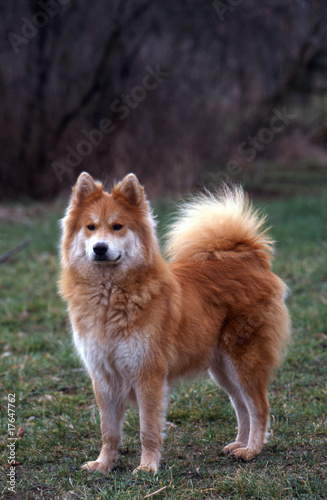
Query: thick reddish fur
<point>217,306</point>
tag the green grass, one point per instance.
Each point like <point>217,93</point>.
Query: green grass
<point>56,408</point>
<point>271,179</point>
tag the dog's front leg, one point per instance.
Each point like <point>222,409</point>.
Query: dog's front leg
<point>152,395</point>
<point>111,409</point>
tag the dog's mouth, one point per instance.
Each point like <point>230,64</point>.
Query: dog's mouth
<point>103,259</point>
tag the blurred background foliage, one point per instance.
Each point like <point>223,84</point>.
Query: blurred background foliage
<point>182,93</point>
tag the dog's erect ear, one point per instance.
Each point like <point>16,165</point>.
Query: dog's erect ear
<point>85,186</point>
<point>130,189</point>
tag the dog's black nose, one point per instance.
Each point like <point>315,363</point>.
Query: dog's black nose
<point>100,249</point>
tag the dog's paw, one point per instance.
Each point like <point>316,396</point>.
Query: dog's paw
<point>230,448</point>
<point>146,468</point>
<point>245,454</point>
<point>97,466</point>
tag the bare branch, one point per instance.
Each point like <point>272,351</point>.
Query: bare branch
<point>98,81</point>
<point>10,253</point>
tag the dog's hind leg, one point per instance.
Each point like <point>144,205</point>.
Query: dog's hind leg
<point>225,376</point>
<point>247,389</point>
<point>258,408</point>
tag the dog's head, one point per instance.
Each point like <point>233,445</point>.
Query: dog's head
<point>116,230</point>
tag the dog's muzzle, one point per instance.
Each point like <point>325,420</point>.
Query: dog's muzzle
<point>103,254</point>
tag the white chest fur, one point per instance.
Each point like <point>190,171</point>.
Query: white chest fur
<point>114,358</point>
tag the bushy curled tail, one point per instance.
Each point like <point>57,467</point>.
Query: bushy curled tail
<point>210,224</point>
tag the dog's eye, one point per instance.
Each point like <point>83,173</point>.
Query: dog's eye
<point>117,227</point>
<point>91,227</point>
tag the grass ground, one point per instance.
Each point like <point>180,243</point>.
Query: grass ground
<point>55,412</point>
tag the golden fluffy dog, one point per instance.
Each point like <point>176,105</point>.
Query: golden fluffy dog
<point>140,322</point>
